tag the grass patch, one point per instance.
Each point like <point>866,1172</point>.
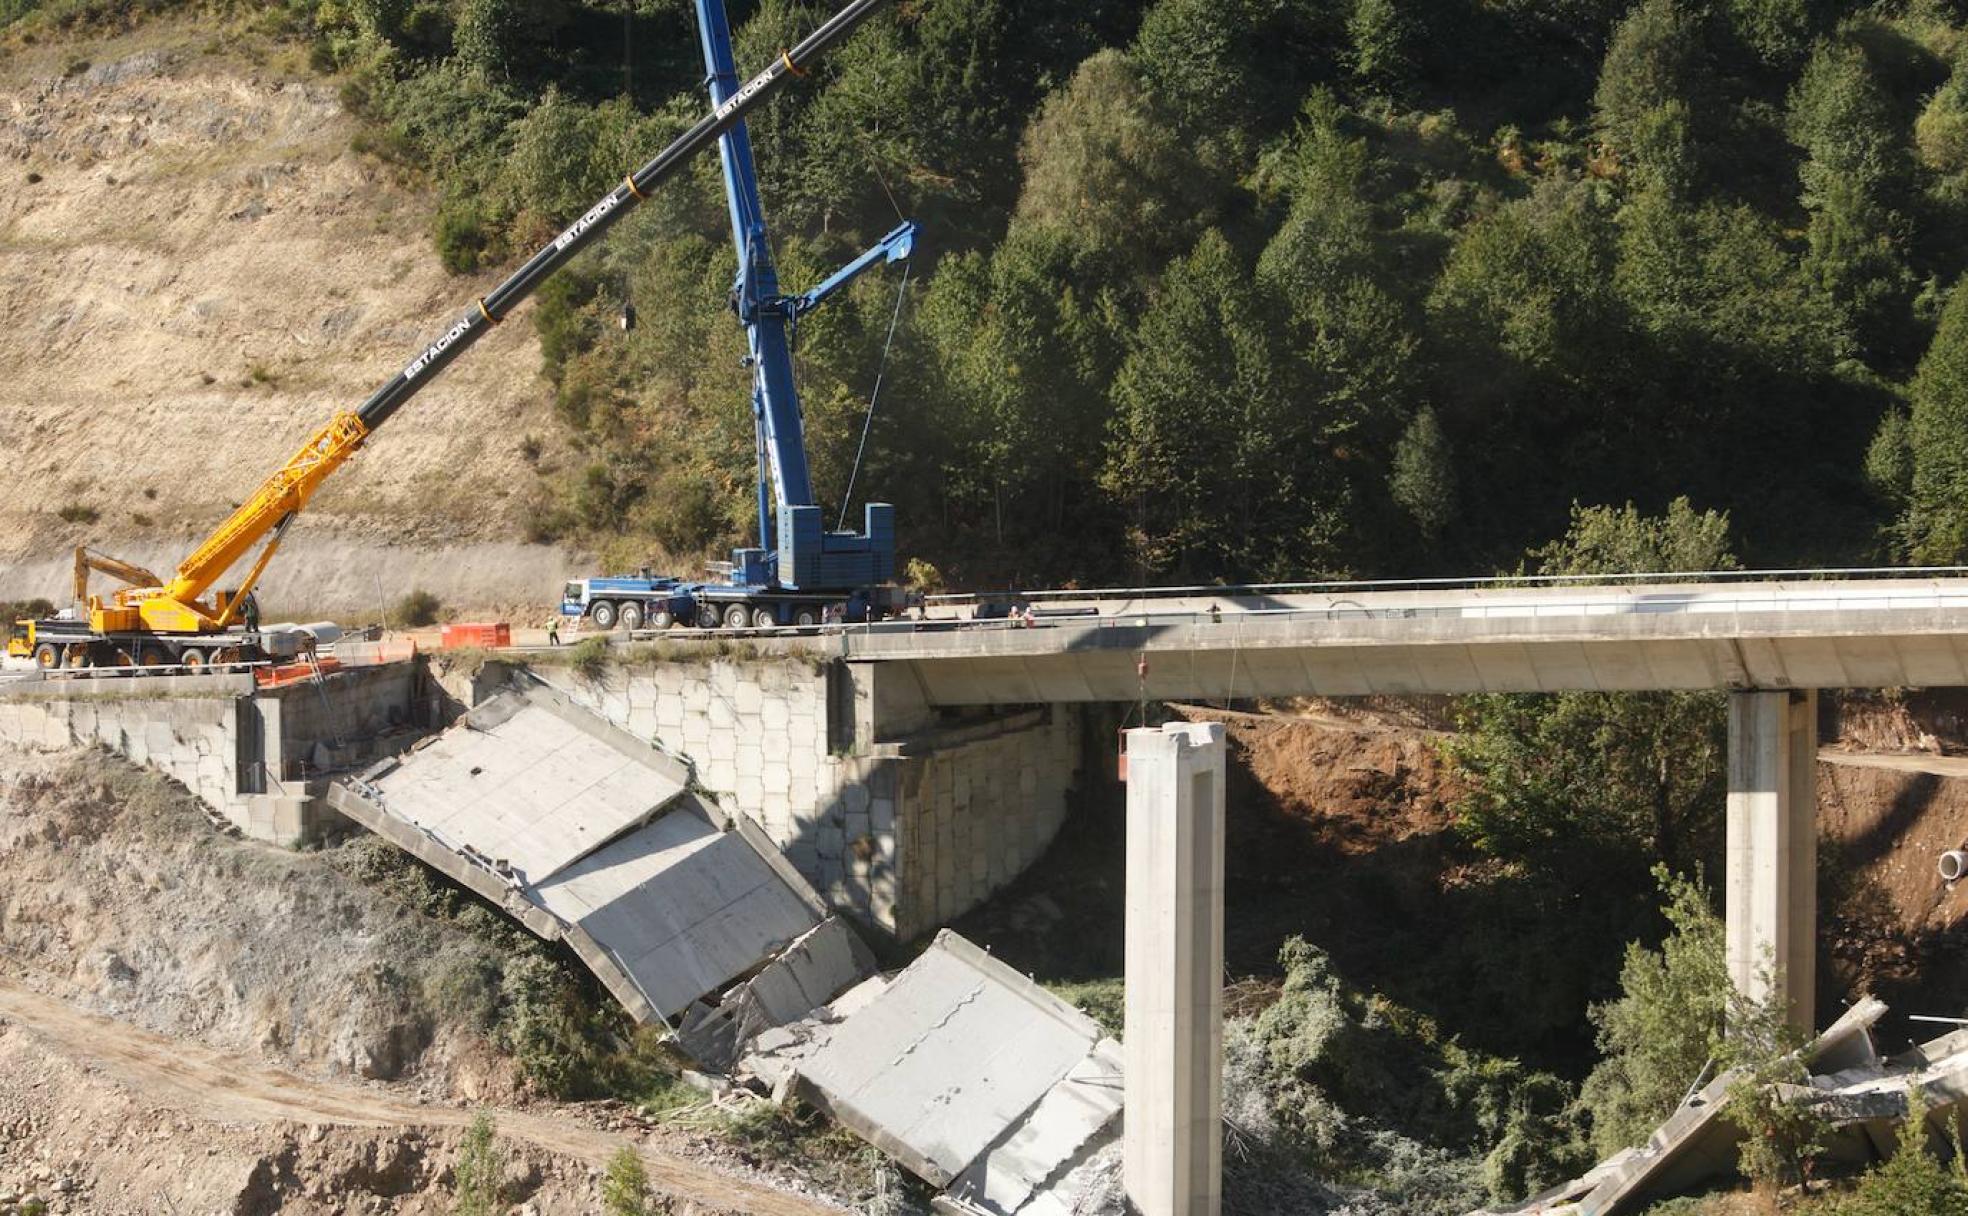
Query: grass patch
<point>1103,1000</point>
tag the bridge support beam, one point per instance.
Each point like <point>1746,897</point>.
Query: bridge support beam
<point>1771,893</point>
<point>1173,1140</point>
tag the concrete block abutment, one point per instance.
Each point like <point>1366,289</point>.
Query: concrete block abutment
<point>901,814</point>
<point>257,757</point>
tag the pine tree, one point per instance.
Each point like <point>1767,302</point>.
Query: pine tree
<point>1937,518</point>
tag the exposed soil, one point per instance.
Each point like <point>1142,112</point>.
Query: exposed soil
<point>1339,829</point>
<point>194,1023</point>
<point>1889,924</point>
<point>196,273</point>
<point>97,1116</point>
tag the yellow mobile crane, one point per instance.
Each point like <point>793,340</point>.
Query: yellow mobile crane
<point>153,622</point>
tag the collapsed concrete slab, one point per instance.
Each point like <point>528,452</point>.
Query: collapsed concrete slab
<point>584,834</point>
<point>1698,1144</point>
<point>966,1072</point>
<point>529,781</point>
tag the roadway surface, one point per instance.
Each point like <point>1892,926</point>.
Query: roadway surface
<point>1784,629</point>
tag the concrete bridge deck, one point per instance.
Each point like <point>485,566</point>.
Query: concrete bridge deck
<point>1809,633</point>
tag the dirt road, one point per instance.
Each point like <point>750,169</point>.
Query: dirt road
<point>201,1081</point>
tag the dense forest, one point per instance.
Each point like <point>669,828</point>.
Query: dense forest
<point>1236,289</point>
<point>1246,289</point>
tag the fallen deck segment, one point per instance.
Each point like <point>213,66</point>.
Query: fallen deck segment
<point>584,834</point>
<point>530,781</point>
<point>968,1073</point>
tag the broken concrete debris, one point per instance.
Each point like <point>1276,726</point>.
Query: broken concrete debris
<point>970,1074</point>
<point>1862,1094</point>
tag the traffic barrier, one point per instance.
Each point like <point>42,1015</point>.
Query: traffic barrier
<point>477,636</point>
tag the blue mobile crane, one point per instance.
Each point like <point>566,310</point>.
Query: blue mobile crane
<point>799,573</point>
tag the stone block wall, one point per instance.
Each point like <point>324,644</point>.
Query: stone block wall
<point>891,818</point>
<point>242,751</point>
<point>189,731</point>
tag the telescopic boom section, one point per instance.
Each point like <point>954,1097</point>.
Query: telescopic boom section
<point>174,607</point>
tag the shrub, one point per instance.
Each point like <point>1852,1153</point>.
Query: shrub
<point>417,609</point>
<point>1912,1183</point>
<point>544,1025</point>
<point>478,1183</point>
<point>463,235</point>
<point>625,1187</point>
<point>589,658</point>
<point>76,513</point>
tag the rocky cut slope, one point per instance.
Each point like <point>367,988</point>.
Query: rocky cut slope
<point>195,273</point>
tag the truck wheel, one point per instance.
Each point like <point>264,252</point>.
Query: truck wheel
<point>735,616</point>
<point>632,617</point>
<point>153,656</point>
<point>662,618</point>
<point>604,614</point>
<point>77,656</point>
<point>47,656</point>
<point>806,617</point>
<point>193,660</point>
<point>763,618</point>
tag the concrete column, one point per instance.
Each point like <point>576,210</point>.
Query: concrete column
<point>1173,1146</point>
<point>1772,891</point>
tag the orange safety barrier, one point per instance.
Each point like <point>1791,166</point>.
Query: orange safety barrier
<point>293,673</point>
<point>480,636</point>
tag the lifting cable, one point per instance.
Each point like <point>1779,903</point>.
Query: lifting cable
<point>881,371</point>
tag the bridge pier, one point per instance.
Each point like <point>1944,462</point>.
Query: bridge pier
<point>1172,1144</point>
<point>1771,894</point>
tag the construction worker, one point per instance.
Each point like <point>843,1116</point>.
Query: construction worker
<point>553,630</point>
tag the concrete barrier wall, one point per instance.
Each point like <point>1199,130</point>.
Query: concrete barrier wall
<point>905,836</point>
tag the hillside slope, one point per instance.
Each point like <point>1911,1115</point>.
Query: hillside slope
<point>195,273</point>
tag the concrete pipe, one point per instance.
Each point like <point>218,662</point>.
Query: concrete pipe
<point>1954,864</point>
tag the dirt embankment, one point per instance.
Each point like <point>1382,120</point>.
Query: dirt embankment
<point>194,1023</point>
<point>196,273</point>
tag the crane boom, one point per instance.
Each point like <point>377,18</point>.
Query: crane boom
<point>176,607</point>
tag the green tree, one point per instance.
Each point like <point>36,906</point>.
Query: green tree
<point>1381,35</point>
<point>1665,1027</point>
<point>1779,31</point>
<point>1620,540</point>
<point>1102,163</point>
<point>1856,176</point>
<point>1780,1133</point>
<point>1940,136</point>
<point>625,1186</point>
<point>1657,72</point>
<point>1220,463</point>
<point>1423,477</point>
<point>1937,519</point>
<point>1889,461</point>
<point>478,1181</point>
